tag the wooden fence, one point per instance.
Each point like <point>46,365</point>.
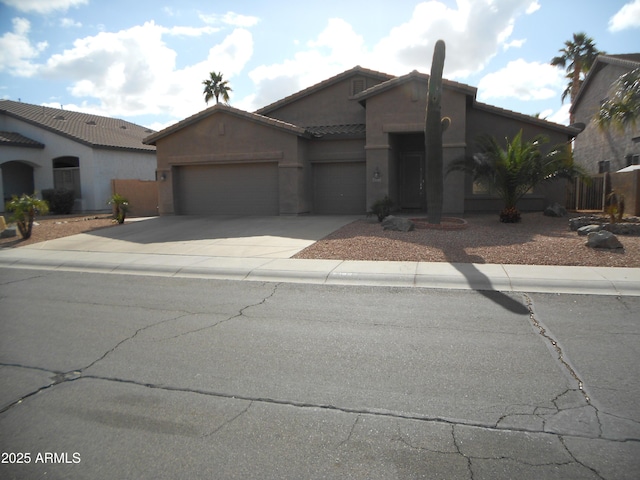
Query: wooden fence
<point>141,194</point>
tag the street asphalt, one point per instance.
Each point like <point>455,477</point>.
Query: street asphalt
<point>207,352</point>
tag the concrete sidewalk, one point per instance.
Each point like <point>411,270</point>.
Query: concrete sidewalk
<point>259,249</point>
<point>507,278</point>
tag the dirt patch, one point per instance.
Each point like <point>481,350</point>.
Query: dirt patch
<point>58,226</point>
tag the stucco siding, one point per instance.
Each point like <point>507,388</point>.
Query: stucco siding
<point>594,145</point>
<point>97,166</point>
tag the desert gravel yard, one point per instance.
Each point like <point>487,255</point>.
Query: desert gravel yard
<point>536,240</point>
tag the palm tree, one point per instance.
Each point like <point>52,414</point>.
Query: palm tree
<point>576,58</point>
<point>214,86</point>
<point>623,106</point>
<point>512,172</point>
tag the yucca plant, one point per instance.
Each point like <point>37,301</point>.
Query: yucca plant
<point>513,171</point>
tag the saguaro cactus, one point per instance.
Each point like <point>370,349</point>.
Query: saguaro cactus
<point>433,128</point>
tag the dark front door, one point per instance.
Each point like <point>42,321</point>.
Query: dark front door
<point>412,181</point>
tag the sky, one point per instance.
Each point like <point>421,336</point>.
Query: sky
<point>144,61</point>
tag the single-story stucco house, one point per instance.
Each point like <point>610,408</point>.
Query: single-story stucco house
<point>333,148</point>
<point>43,148</point>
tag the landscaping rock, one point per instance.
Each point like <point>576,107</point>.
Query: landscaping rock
<point>587,229</point>
<point>603,239</point>
<point>555,210</point>
<point>398,224</point>
<point>9,232</point>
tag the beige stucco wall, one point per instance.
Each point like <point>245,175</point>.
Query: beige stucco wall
<point>329,106</point>
<point>593,144</point>
<point>224,138</point>
<point>386,122</point>
<point>481,121</point>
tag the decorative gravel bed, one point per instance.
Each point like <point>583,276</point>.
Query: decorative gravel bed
<point>536,240</point>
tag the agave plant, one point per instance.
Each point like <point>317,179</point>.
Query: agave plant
<point>512,172</point>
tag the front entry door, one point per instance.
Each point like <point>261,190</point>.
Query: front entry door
<point>412,180</point>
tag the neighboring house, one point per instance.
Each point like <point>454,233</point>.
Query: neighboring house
<point>607,150</point>
<point>333,148</point>
<point>42,148</point>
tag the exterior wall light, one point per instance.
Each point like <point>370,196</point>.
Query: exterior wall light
<point>377,176</point>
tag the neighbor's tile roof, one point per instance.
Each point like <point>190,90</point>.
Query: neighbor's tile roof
<point>13,139</point>
<point>92,130</point>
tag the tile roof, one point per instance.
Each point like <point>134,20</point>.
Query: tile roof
<point>13,139</point>
<point>414,75</point>
<point>357,70</point>
<point>92,130</point>
<point>254,117</point>
<point>334,130</point>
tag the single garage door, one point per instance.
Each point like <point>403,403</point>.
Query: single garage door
<point>339,188</point>
<point>239,189</point>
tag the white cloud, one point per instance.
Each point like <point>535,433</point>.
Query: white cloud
<point>230,18</point>
<point>336,48</point>
<point>133,72</point>
<point>474,32</point>
<point>523,81</point>
<point>561,116</point>
<point>69,22</point>
<point>191,31</point>
<point>17,51</point>
<point>627,17</point>
<point>513,44</point>
<point>534,7</point>
<point>43,6</point>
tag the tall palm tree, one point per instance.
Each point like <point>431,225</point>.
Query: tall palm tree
<point>512,172</point>
<point>623,106</point>
<point>576,58</point>
<point>214,86</point>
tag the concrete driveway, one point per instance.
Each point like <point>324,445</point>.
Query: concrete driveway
<point>215,236</point>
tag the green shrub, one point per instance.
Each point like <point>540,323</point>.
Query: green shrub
<point>382,208</point>
<point>24,210</point>
<point>120,207</point>
<point>60,200</point>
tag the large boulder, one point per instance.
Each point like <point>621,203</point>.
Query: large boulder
<point>603,239</point>
<point>399,224</point>
<point>555,210</point>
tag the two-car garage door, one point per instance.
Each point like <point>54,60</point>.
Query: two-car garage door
<point>229,189</point>
<point>253,189</point>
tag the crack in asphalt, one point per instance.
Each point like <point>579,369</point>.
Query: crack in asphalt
<point>60,377</point>
<point>457,445</point>
<point>229,421</point>
<point>570,453</point>
<point>232,317</point>
<point>556,346</point>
